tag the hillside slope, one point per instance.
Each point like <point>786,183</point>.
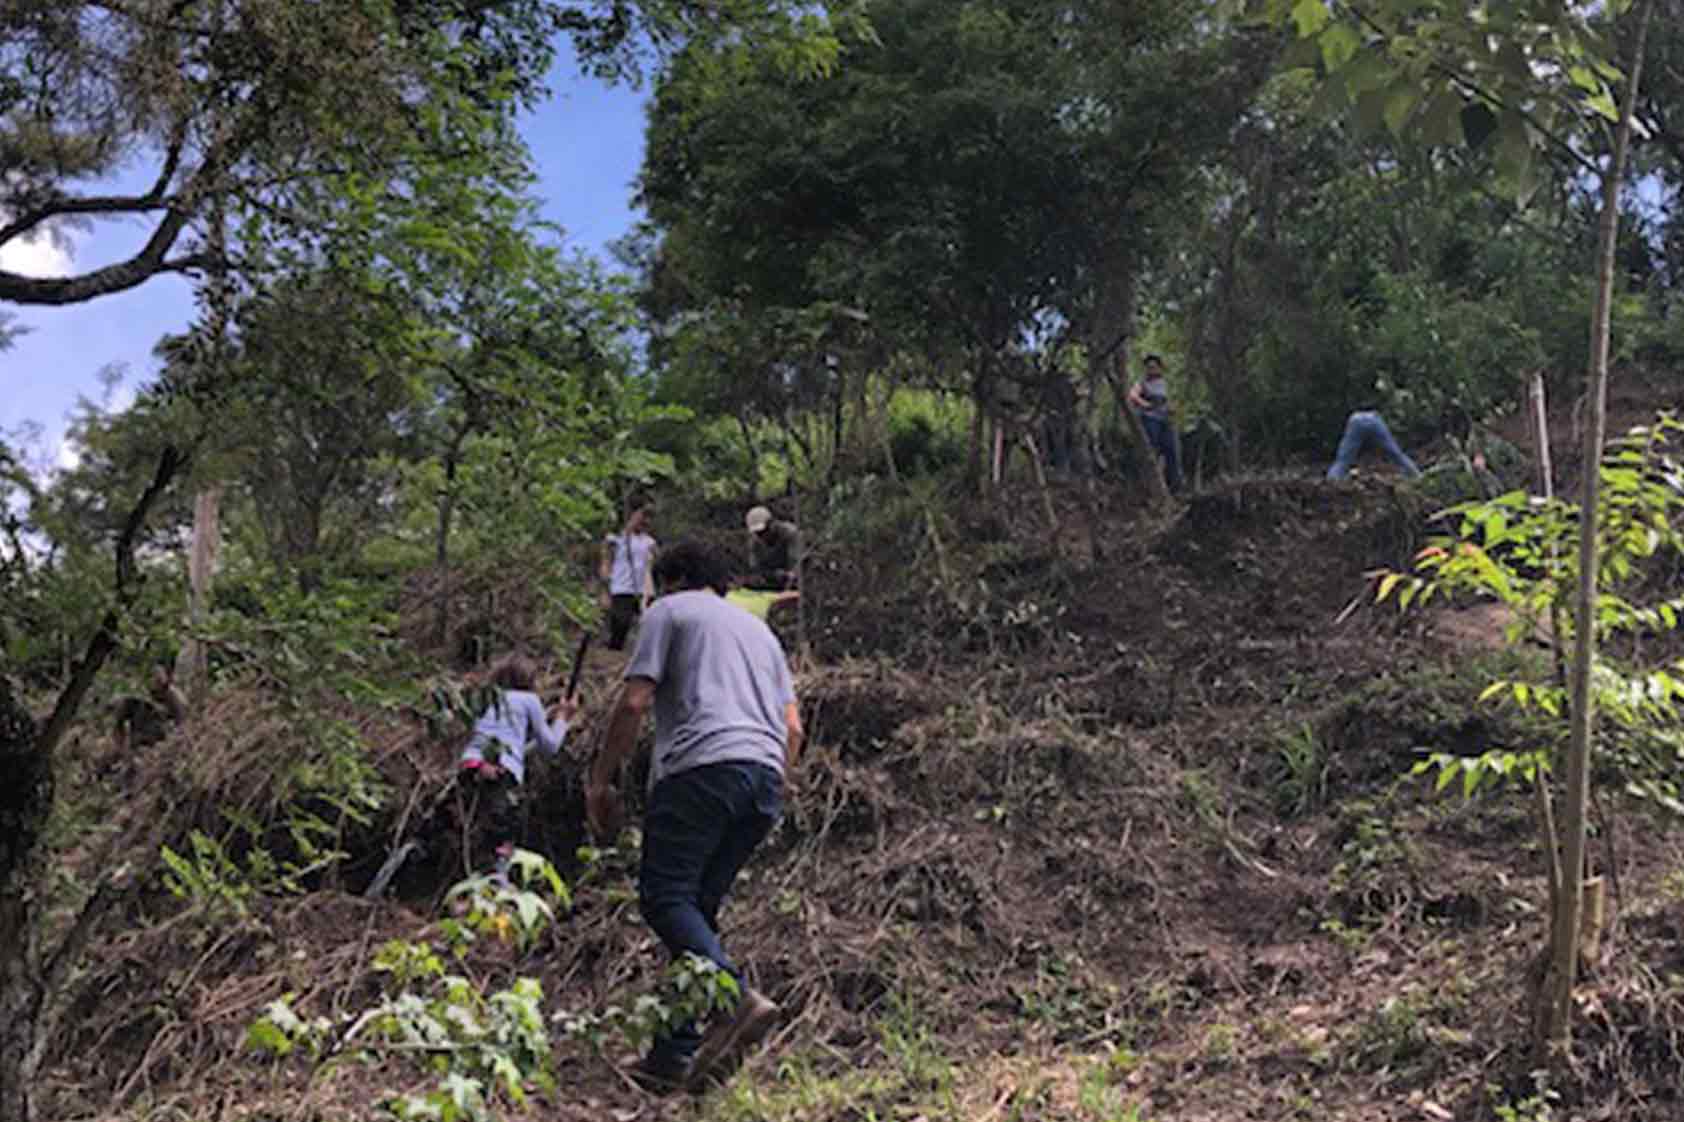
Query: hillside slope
<point>1077,839</point>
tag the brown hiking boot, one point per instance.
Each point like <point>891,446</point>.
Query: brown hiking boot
<point>726,1040</point>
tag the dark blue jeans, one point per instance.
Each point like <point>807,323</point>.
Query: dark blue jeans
<point>1162,436</point>
<point>700,828</point>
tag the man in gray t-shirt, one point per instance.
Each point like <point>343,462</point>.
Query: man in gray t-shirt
<point>726,728</point>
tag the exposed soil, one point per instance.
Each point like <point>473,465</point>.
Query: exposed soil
<point>1129,797</point>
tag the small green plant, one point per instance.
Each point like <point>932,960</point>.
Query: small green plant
<point>280,1031</point>
<point>1303,771</point>
<point>1101,1099</point>
<point>1672,885</point>
<point>480,1045</point>
<point>209,878</point>
<point>1201,796</point>
<point>1615,715</point>
<point>1375,874</point>
<point>1351,938</point>
<point>1221,1043</point>
<point>516,910</point>
<point>1068,1003</point>
<point>915,1051</point>
<point>1522,552</point>
<point>694,989</point>
<point>1395,1033</point>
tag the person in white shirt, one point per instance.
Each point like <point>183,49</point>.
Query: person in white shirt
<point>628,558</point>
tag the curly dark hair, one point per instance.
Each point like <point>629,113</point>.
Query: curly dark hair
<point>690,564</point>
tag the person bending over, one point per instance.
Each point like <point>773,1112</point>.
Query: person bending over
<point>494,761</point>
<point>1363,428</point>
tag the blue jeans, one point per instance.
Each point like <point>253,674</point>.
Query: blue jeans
<point>1362,429</point>
<point>700,828</point>
<point>1161,434</point>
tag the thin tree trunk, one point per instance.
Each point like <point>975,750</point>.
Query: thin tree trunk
<point>1108,352</point>
<point>838,431</point>
<point>24,804</point>
<point>1537,411</point>
<point>441,541</point>
<point>192,667</point>
<point>753,458</point>
<point>1106,337</point>
<point>1564,935</point>
<point>1045,491</point>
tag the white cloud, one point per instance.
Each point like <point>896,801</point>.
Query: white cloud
<point>35,257</point>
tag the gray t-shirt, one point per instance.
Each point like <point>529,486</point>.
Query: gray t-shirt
<point>1156,392</point>
<point>721,684</point>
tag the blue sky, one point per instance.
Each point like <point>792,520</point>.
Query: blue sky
<point>586,141</point>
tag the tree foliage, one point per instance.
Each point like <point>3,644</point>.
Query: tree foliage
<point>971,191</point>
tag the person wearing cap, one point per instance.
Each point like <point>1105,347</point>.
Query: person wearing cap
<point>774,551</point>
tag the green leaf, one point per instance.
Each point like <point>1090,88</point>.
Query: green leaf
<point>1516,171</point>
<point>1409,593</point>
<point>1310,16</point>
<point>265,1036</point>
<point>1602,104</point>
<point>1370,70</point>
<point>1339,44</point>
<point>1511,57</point>
<point>1401,100</point>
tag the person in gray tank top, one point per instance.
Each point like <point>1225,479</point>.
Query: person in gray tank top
<point>727,728</point>
<point>1150,398</point>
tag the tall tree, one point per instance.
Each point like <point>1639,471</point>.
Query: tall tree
<point>245,104</point>
<point>967,183</point>
<point>256,106</point>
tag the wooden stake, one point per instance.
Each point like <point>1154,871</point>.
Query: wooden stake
<point>1538,416</point>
